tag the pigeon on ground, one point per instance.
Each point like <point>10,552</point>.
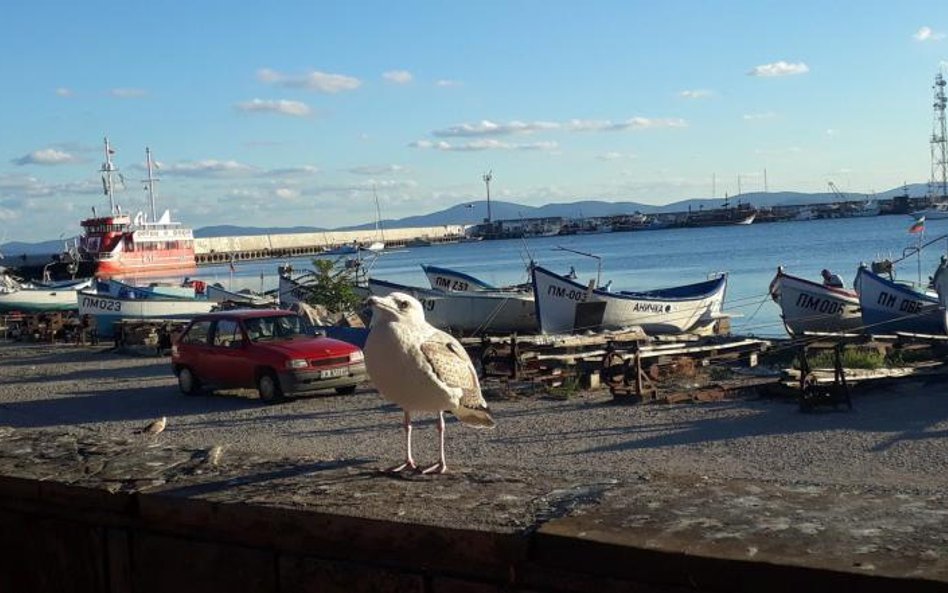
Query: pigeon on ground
<point>155,427</point>
<point>422,369</point>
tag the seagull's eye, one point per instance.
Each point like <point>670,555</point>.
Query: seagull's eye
<point>402,305</point>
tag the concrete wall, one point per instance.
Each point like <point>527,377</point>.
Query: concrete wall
<point>61,538</point>
<point>291,240</point>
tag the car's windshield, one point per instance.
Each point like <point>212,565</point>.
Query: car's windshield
<point>273,328</point>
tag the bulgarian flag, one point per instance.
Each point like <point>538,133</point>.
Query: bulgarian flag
<point>918,226</point>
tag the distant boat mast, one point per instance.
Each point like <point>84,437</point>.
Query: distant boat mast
<point>107,169</point>
<point>939,140</point>
<point>487,178</point>
<point>150,183</point>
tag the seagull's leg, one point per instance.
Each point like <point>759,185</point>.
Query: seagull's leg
<point>409,462</point>
<point>441,466</point>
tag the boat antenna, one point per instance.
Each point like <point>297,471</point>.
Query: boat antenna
<point>487,177</point>
<point>107,169</point>
<point>595,257</point>
<point>150,182</point>
<point>939,140</point>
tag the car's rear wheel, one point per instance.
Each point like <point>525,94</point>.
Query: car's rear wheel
<point>268,386</point>
<point>187,381</point>
<point>347,390</point>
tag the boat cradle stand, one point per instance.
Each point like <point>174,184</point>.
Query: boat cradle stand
<point>814,393</point>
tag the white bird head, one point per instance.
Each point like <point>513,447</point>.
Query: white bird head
<point>396,307</point>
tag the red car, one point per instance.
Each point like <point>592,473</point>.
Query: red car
<point>265,349</point>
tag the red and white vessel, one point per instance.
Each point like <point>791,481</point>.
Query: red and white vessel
<point>134,246</point>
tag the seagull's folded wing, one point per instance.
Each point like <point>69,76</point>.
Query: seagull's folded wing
<point>452,367</point>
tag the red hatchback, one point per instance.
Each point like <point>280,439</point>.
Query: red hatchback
<point>265,349</point>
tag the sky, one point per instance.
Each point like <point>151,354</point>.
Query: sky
<point>302,113</point>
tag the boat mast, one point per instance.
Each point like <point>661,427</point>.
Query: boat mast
<point>940,139</point>
<point>150,183</point>
<point>378,217</point>
<point>107,169</point>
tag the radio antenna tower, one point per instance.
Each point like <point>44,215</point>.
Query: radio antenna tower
<point>487,179</point>
<point>939,140</point>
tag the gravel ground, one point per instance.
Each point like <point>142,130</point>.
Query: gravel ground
<point>894,438</point>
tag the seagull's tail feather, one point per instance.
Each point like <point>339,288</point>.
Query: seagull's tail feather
<point>478,417</point>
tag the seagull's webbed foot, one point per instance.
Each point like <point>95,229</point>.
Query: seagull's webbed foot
<point>409,464</point>
<point>438,468</point>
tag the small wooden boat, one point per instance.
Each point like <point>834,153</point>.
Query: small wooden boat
<point>39,299</point>
<point>468,313</point>
<point>889,306</point>
<point>808,306</point>
<point>219,294</point>
<point>566,306</point>
<point>107,309</point>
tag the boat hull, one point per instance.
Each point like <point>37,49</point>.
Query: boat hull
<point>147,264</point>
<point>108,309</point>
<point>811,307</point>
<point>468,313</point>
<point>892,307</point>
<point>564,306</point>
<point>452,280</point>
<point>40,300</point>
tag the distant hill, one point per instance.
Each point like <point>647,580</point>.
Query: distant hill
<point>474,212</point>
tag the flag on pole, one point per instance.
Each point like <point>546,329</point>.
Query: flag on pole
<point>918,226</point>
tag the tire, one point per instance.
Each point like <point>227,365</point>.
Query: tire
<point>347,390</point>
<point>268,386</point>
<point>188,382</point>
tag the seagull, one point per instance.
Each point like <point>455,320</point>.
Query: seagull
<point>422,369</point>
<point>155,427</point>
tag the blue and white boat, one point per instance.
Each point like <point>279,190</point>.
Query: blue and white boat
<point>452,280</point>
<point>888,306</point>
<point>566,306</point>
<point>108,309</point>
<point>807,306</point>
<point>40,299</point>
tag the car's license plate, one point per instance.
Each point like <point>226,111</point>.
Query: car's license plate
<point>330,373</point>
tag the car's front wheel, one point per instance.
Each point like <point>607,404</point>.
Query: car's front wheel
<point>268,386</point>
<point>187,381</point>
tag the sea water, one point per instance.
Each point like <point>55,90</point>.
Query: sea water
<point>644,260</point>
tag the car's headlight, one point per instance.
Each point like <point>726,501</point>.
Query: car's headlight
<point>297,363</point>
<point>357,356</point>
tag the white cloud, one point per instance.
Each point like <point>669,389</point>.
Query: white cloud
<point>759,116</point>
<point>281,106</point>
<point>209,168</point>
<point>63,92</point>
<point>445,83</point>
<point>614,156</point>
<point>302,171</point>
<point>489,128</point>
<point>780,68</point>
<point>314,81</point>
<point>46,156</point>
<point>927,34</point>
<point>696,94</point>
<point>287,193</point>
<point>398,76</point>
<point>127,93</point>
<point>376,169</point>
<point>484,144</point>
<point>587,125</point>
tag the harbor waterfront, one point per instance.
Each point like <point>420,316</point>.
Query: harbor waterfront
<point>750,254</point>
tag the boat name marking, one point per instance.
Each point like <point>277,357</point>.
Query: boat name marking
<point>448,284</point>
<point>889,301</point>
<point>651,308</point>
<point>102,304</point>
<point>573,294</point>
<point>825,306</point>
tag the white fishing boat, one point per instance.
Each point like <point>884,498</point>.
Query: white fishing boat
<point>940,284</point>
<point>468,313</point>
<point>888,306</point>
<point>808,306</point>
<point>40,299</point>
<point>452,280</point>
<point>566,306</point>
<point>108,309</point>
